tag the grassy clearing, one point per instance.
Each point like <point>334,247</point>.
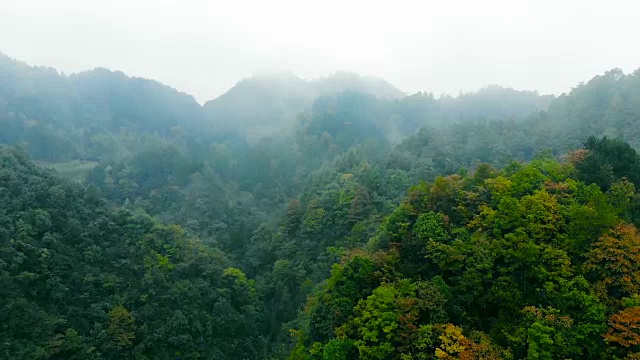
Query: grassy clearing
<point>75,170</point>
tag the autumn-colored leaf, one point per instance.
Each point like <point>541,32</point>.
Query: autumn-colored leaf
<point>625,327</point>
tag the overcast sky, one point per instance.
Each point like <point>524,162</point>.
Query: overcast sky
<point>204,47</point>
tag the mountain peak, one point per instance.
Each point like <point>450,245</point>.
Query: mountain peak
<point>344,80</point>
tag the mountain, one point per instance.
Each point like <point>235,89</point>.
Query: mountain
<point>179,239</point>
<point>74,115</point>
<point>344,81</point>
<point>495,101</point>
<point>118,100</point>
<point>102,114</point>
<point>260,105</point>
<point>267,104</point>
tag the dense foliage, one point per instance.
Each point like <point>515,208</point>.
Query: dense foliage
<point>80,280</point>
<point>281,208</point>
<point>526,262</point>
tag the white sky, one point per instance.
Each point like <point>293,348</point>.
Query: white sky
<point>204,47</point>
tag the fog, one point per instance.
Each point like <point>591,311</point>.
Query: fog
<point>316,197</point>
<point>205,47</point>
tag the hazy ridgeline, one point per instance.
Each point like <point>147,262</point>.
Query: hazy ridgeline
<point>335,218</point>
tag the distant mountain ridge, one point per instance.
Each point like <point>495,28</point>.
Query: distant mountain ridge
<point>111,100</point>
<point>348,81</point>
<point>264,104</point>
<point>42,107</point>
<point>89,114</point>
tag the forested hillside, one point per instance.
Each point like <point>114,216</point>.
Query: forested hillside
<point>268,104</point>
<point>527,262</point>
<point>325,219</point>
<point>82,280</point>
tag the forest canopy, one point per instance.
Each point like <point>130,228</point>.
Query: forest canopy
<point>330,219</point>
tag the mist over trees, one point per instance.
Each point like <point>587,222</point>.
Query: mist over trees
<point>335,218</point>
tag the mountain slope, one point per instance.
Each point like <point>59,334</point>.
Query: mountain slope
<point>82,280</point>
<point>267,104</point>
<point>64,117</point>
<point>346,81</point>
